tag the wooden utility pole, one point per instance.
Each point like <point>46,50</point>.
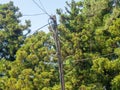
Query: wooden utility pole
<point>58,50</point>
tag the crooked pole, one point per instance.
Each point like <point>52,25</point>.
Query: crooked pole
<point>58,50</point>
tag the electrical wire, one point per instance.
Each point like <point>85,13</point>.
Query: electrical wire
<point>40,28</point>
<point>40,7</point>
<point>96,57</point>
<point>33,14</point>
<point>44,12</point>
<point>48,24</point>
<point>87,60</point>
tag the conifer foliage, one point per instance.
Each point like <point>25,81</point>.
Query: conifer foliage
<point>89,33</point>
<point>11,31</point>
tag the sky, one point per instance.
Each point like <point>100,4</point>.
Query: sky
<point>28,7</point>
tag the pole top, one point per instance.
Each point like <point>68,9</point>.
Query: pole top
<point>53,18</point>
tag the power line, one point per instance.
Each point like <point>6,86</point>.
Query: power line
<point>86,59</point>
<point>40,7</point>
<point>44,12</point>
<point>33,14</point>
<point>40,28</point>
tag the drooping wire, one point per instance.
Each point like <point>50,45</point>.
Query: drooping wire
<point>40,7</point>
<point>48,24</point>
<point>87,59</point>
<point>33,14</point>
<point>40,28</point>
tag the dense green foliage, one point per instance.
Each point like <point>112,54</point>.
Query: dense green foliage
<point>33,69</point>
<point>89,33</point>
<point>11,31</point>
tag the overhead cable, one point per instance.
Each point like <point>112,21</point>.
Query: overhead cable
<point>33,14</point>
<point>87,59</point>
<point>40,7</point>
<point>40,28</point>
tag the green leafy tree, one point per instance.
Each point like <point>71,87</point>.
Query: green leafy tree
<point>34,67</point>
<point>115,83</point>
<point>89,30</point>
<point>75,44</point>
<point>89,33</point>
<point>12,32</point>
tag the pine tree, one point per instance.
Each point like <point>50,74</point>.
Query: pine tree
<point>12,32</point>
<point>34,67</point>
<point>89,33</point>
